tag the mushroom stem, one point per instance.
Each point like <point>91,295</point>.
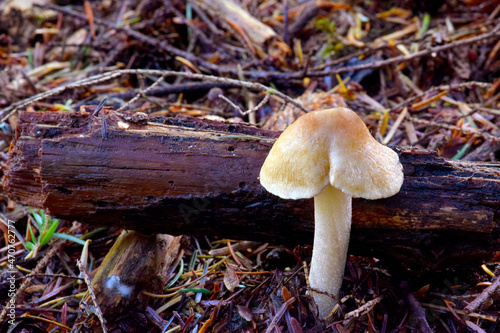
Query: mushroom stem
<point>332,214</point>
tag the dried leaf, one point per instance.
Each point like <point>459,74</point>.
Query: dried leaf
<point>245,312</point>
<point>286,294</point>
<point>294,326</point>
<point>231,280</point>
<point>90,17</point>
<point>422,291</point>
<point>395,11</point>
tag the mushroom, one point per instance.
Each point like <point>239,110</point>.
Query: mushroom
<point>330,155</point>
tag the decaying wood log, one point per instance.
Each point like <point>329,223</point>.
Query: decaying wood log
<point>134,264</point>
<point>189,176</point>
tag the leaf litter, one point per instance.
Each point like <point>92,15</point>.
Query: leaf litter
<point>421,74</point>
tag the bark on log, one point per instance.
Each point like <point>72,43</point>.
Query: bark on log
<point>188,176</point>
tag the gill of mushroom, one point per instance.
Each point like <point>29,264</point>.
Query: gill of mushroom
<point>330,155</point>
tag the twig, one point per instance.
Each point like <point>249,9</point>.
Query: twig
<point>137,35</point>
<point>418,311</point>
<point>436,49</point>
<point>455,128</point>
<point>98,108</point>
<point>378,64</point>
<point>495,32</point>
<point>285,22</point>
<point>99,78</point>
<point>248,99</point>
<point>395,126</point>
<point>188,22</point>
<point>142,92</point>
<point>493,14</point>
<point>303,18</point>
<point>172,89</point>
<point>485,294</point>
<point>240,35</point>
<point>244,113</point>
<point>363,53</point>
<point>364,308</point>
<point>481,108</point>
<point>51,275</point>
<point>206,20</point>
<point>73,85</point>
<point>442,87</point>
<point>460,312</point>
<point>97,309</point>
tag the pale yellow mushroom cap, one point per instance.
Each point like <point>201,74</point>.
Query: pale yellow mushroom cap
<point>333,146</point>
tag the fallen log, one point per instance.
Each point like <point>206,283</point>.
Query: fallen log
<point>190,176</point>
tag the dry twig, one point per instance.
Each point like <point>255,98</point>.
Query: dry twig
<point>495,283</point>
<point>99,78</point>
<point>443,87</point>
<point>243,113</point>
<point>96,309</point>
<point>455,128</point>
<point>418,311</point>
<point>364,308</point>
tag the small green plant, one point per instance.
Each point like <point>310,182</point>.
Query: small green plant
<point>47,229</point>
<point>333,44</point>
<point>324,24</point>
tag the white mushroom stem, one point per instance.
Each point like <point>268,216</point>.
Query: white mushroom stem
<point>332,214</point>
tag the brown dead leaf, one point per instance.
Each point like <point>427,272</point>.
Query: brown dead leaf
<point>231,280</point>
<point>245,312</point>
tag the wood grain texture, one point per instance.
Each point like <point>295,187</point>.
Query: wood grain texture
<point>134,264</point>
<point>189,176</point>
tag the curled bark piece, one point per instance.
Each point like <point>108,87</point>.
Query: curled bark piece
<point>134,264</point>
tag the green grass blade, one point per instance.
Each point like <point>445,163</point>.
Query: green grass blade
<point>195,290</point>
<point>70,238</point>
<point>177,276</point>
<point>47,236</point>
<point>32,235</point>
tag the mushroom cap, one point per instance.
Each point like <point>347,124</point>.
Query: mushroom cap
<point>330,146</point>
